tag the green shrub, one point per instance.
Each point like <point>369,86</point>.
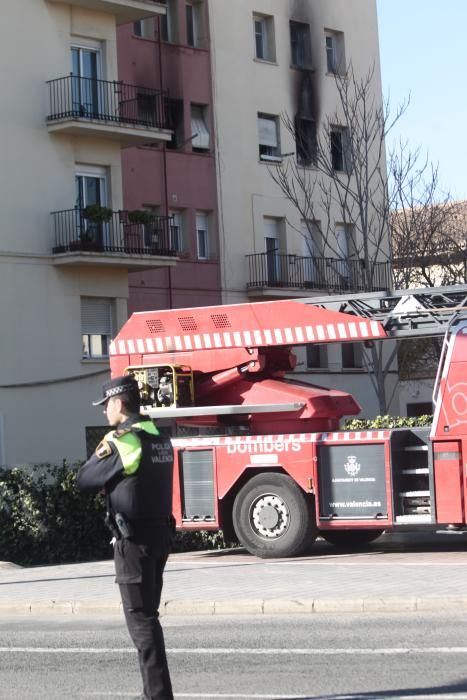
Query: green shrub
<point>44,519</point>
<point>381,422</point>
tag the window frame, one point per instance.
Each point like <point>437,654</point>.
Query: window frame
<point>144,28</point>
<point>194,24</point>
<point>302,44</point>
<point>176,110</point>
<point>205,231</point>
<point>343,151</point>
<point>87,333</point>
<point>323,359</point>
<point>178,215</point>
<point>201,124</point>
<point>168,29</point>
<point>273,157</point>
<point>335,52</point>
<point>266,36</point>
<point>356,361</point>
<point>306,143</point>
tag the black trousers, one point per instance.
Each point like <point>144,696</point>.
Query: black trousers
<point>139,569</point>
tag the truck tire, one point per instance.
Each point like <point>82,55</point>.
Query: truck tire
<point>273,517</point>
<point>350,538</point>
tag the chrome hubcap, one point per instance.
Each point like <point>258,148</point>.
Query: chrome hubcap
<point>269,516</point>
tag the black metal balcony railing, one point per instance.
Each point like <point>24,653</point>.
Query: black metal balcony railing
<point>74,232</point>
<point>73,97</point>
<point>286,271</point>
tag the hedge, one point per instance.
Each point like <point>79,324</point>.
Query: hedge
<point>381,422</point>
<point>44,519</point>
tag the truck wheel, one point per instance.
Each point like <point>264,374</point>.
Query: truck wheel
<point>350,538</point>
<point>273,517</point>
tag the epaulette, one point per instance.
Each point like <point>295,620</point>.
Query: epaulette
<point>103,449</point>
<point>122,431</point>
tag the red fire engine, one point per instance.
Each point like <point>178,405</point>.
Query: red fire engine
<point>263,455</point>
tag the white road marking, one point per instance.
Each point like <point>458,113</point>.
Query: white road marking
<point>355,696</point>
<point>392,651</point>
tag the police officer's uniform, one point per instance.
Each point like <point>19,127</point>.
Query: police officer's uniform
<point>134,465</point>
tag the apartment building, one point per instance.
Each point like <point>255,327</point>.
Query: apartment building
<point>273,59</point>
<point>171,53</point>
<point>67,245</point>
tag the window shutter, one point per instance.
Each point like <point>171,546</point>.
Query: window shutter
<point>201,222</point>
<point>96,316</point>
<point>198,127</point>
<point>267,132</point>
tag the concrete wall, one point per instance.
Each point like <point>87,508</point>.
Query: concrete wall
<point>45,386</point>
<point>245,86</point>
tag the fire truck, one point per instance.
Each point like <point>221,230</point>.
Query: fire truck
<point>262,455</point>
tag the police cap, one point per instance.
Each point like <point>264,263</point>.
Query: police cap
<point>117,386</point>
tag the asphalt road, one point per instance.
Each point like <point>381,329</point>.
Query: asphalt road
<point>352,656</point>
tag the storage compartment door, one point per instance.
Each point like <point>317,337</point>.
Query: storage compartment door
<point>448,482</point>
<point>352,482</point>
<point>197,485</point>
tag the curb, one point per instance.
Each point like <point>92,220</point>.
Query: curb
<point>169,608</point>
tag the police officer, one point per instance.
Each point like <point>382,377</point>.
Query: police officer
<point>133,465</point>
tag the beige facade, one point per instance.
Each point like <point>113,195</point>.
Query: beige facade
<point>256,82</point>
<point>47,381</point>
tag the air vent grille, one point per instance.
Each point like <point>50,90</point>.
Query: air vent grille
<point>221,321</point>
<point>155,326</point>
<point>187,323</point>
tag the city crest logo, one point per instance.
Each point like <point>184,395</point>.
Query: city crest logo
<point>352,467</point>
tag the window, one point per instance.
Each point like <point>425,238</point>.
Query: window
<point>146,108</point>
<point>194,24</point>
<point>305,141</point>
<point>199,128</point>
<point>202,240</point>
<point>176,231</point>
<point>312,242</point>
<point>352,355</point>
<point>268,138</point>
<point>90,188</point>
<point>340,149</point>
<point>300,44</point>
<point>423,408</point>
<point>316,356</point>
<point>345,249</point>
<point>335,54</point>
<point>149,229</point>
<point>272,244</point>
<point>86,66</point>
<point>175,113</point>
<point>168,22</point>
<point>264,38</point>
<point>96,327</point>
<point>144,28</point>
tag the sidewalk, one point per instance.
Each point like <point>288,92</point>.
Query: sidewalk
<point>396,574</point>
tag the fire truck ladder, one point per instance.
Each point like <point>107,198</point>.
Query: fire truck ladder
<point>403,313</point>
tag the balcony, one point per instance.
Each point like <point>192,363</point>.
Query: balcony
<point>280,275</point>
<point>115,242</point>
<point>115,110</point>
<point>124,10</point>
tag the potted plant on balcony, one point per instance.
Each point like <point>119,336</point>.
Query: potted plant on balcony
<point>148,234</point>
<point>95,216</point>
<point>141,216</point>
